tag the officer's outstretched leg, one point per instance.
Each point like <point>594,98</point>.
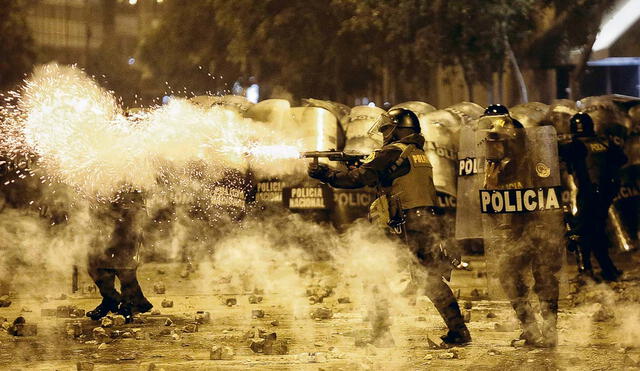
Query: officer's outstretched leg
<point>440,294</point>
<point>133,300</point>
<point>445,302</point>
<point>105,280</point>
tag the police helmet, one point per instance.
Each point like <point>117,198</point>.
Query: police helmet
<point>398,118</point>
<point>496,110</point>
<point>581,124</point>
<point>404,118</point>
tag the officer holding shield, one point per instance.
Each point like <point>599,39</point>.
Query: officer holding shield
<point>522,217</point>
<point>594,163</point>
<point>403,175</point>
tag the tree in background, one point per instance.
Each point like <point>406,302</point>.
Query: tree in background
<point>342,49</point>
<point>294,44</point>
<point>16,44</point>
<point>188,49</point>
<point>574,25</point>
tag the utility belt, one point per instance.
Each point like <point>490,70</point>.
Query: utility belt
<point>387,212</point>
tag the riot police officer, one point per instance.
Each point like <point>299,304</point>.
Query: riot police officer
<point>401,172</point>
<point>115,255</point>
<point>519,161</point>
<point>594,164</point>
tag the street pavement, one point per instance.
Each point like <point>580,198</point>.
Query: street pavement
<point>599,326</point>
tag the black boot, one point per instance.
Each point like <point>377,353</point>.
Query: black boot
<point>461,336</point>
<point>442,298</point>
<point>531,333</point>
<point>458,333</point>
<point>103,309</point>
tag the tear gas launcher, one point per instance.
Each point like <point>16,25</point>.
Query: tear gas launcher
<point>348,158</point>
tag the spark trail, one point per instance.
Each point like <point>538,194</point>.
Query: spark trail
<point>81,136</point>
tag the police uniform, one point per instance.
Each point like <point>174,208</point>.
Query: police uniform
<point>402,171</point>
<point>526,239</point>
<point>594,164</point>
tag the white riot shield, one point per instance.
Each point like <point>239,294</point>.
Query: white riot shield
<point>339,110</point>
<point>417,107</point>
<point>275,112</point>
<point>361,118</point>
<point>318,127</point>
<point>466,111</point>
<point>559,115</point>
<point>470,175</point>
<point>530,114</point>
<point>234,102</point>
<point>353,204</point>
<point>441,132</point>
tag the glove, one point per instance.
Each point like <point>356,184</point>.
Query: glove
<point>318,171</point>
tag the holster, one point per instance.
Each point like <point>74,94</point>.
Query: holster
<point>386,211</point>
<point>379,211</point>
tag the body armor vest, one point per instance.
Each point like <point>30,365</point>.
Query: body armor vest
<point>595,162</point>
<point>414,189</point>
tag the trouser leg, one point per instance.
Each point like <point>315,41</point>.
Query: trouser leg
<point>511,277</point>
<point>132,295</point>
<point>105,280</point>
<point>445,302</point>
<point>600,248</point>
<point>546,266</point>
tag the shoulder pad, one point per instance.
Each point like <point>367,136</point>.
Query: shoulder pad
<point>400,146</point>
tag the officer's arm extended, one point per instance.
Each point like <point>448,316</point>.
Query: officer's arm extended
<point>366,175</point>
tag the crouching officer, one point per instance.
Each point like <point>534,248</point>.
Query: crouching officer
<point>115,255</point>
<point>401,172</point>
<point>595,166</point>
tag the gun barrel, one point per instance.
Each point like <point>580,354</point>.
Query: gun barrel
<point>315,154</point>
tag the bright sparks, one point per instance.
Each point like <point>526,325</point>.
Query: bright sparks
<point>80,135</point>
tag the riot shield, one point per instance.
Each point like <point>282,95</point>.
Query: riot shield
<point>470,172</point>
<point>609,120</point>
<point>339,110</point>
<point>466,111</point>
<point>275,112</point>
<point>520,202</point>
<point>353,204</point>
<point>234,102</point>
<point>361,118</point>
<point>318,132</point>
<point>417,107</point>
<point>625,211</point>
<point>529,114</point>
<point>559,115</point>
<point>441,129</point>
<point>316,129</point>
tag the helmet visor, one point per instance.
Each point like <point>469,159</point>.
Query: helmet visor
<point>375,131</point>
<point>491,122</point>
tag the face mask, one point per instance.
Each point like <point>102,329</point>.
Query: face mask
<point>388,133</point>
